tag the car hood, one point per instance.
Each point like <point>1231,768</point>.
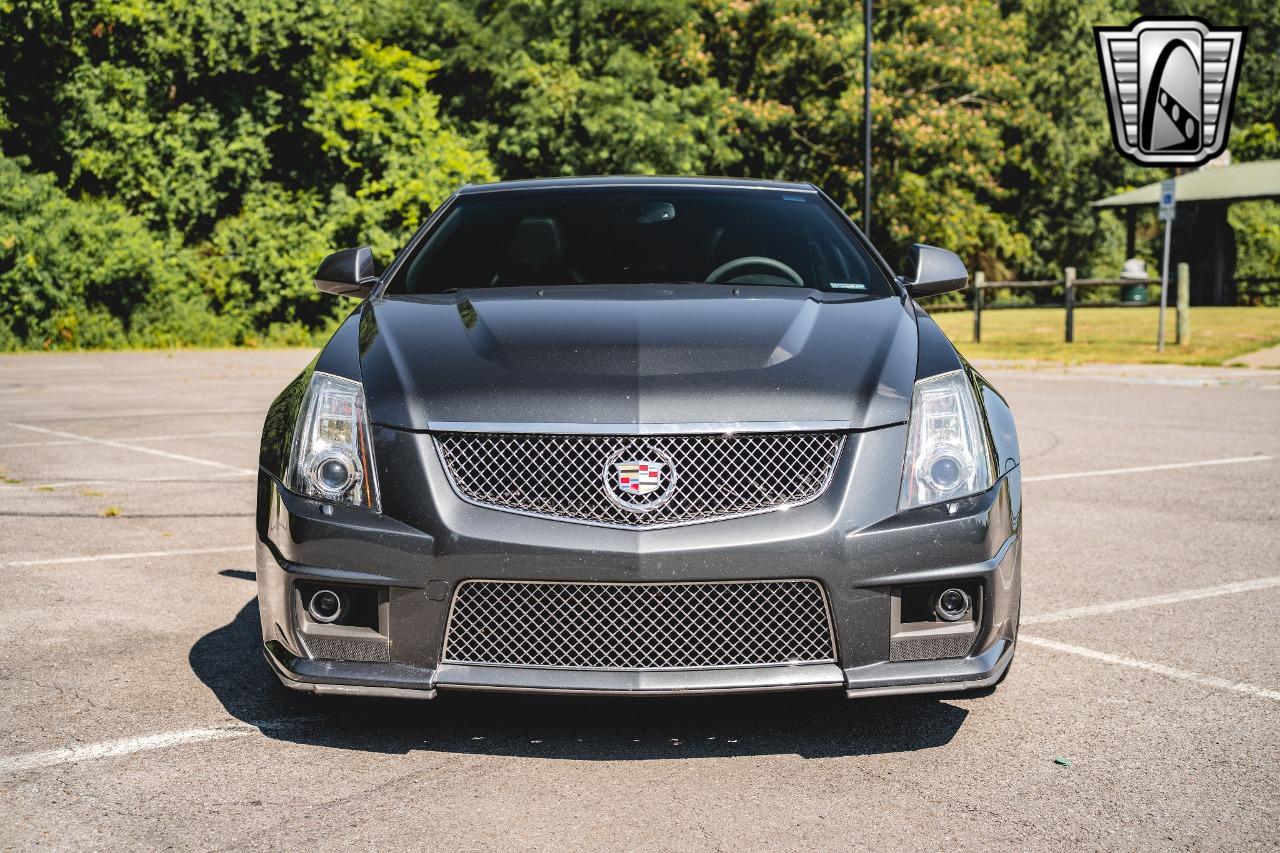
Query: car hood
<point>630,355</point>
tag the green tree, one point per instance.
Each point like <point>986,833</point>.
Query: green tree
<point>182,166</point>
<point>559,87</point>
<point>390,155</point>
<point>87,273</point>
<point>238,139</point>
<point>949,111</point>
<point>257,266</point>
<point>171,106</point>
<point>1069,160</point>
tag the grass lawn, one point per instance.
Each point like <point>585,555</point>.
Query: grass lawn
<point>1113,334</point>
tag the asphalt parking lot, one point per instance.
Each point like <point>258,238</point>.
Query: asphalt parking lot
<point>136,712</point>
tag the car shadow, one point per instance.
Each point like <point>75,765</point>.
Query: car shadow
<point>824,724</point>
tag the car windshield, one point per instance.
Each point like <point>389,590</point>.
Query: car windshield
<point>640,235</point>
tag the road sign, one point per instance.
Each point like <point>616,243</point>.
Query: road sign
<point>1168,199</point>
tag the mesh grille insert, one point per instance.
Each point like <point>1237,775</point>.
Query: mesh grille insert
<point>674,479</point>
<point>639,625</point>
<point>932,648</point>
<point>342,648</point>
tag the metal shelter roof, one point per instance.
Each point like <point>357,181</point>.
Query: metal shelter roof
<point>1259,179</point>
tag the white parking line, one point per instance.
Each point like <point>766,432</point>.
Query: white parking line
<point>1158,668</point>
<point>124,746</point>
<point>136,438</point>
<point>228,433</point>
<point>17,444</point>
<point>1152,600</point>
<point>1106,472</point>
<point>135,555</point>
<point>135,414</point>
<point>106,442</point>
<point>67,484</point>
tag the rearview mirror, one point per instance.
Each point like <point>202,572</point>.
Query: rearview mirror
<point>931,271</point>
<point>349,272</point>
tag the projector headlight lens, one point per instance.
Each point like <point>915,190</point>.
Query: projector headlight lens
<point>333,473</point>
<point>947,454</point>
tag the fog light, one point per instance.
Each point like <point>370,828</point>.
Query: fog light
<point>951,605</point>
<point>326,606</point>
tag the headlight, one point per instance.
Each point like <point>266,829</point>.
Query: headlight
<point>946,449</point>
<point>332,450</point>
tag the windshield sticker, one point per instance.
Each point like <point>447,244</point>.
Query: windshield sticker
<point>848,285</point>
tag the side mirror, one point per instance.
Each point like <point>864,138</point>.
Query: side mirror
<point>931,271</point>
<point>349,272</point>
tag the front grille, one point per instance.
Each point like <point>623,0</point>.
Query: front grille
<point>678,478</point>
<point>639,625</point>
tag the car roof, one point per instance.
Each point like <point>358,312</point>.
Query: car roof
<point>634,181</point>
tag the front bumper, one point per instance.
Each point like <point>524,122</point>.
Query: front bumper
<point>860,549</point>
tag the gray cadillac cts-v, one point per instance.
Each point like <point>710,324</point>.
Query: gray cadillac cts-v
<point>639,436</point>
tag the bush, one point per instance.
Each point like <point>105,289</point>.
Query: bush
<point>78,273</point>
<point>1257,228</point>
<point>256,268</point>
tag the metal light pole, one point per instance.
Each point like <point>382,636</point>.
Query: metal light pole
<point>866,119</point>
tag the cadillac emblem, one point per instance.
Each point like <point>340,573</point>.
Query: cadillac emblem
<point>639,485</point>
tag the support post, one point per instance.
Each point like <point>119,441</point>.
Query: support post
<point>1184,304</point>
<point>979,279</point>
<point>1164,284</point>
<point>1069,282</point>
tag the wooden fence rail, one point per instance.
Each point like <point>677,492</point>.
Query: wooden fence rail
<point>1070,286</point>
<point>1250,291</point>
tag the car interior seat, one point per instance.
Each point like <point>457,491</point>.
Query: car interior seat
<point>535,255</point>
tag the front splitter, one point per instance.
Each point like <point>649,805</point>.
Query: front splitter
<point>398,680</point>
<point>753,679</point>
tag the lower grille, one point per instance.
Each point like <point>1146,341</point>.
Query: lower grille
<point>932,648</point>
<point>343,648</point>
<point>639,625</point>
